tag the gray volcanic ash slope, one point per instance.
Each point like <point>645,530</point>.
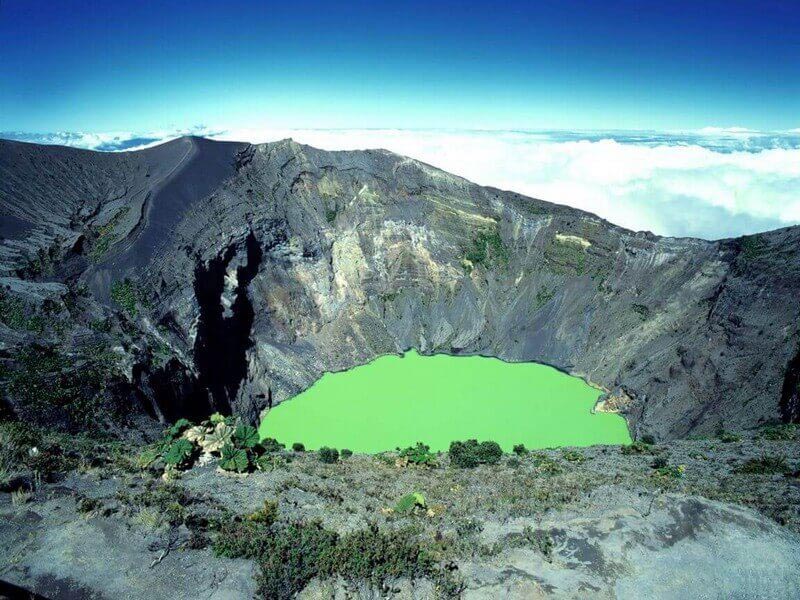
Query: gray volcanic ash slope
<point>230,276</point>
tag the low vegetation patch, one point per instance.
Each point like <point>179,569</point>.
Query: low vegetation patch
<point>780,433</point>
<point>765,465</point>
<point>409,503</point>
<point>752,247</point>
<point>328,455</point>
<point>291,555</point>
<point>105,235</point>
<point>235,444</point>
<point>546,465</point>
<point>565,258</point>
<point>573,456</point>
<point>470,454</point>
<point>670,471</point>
<point>126,295</point>
<point>641,310</point>
<point>638,447</point>
<point>487,248</point>
<point>419,455</point>
<point>543,296</point>
<point>49,388</point>
<point>728,437</point>
<point>16,315</point>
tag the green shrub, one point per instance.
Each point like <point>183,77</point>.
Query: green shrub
<point>63,392</point>
<point>270,462</point>
<point>752,247</point>
<point>520,450</point>
<point>125,294</point>
<point>670,471</point>
<point>487,248</point>
<point>648,439</point>
<point>409,502</point>
<point>180,453</point>
<point>637,447</point>
<point>780,433</point>
<point>419,455</point>
<point>378,557</point>
<point>86,505</point>
<point>470,453</point>
<point>290,556</point>
<point>764,465</point>
<point>565,258</point>
<point>464,454</point>
<point>245,437</point>
<point>293,556</point>
<point>468,526</point>
<point>490,453</point>
<point>659,463</point>
<point>573,456</point>
<point>546,465</point>
<point>15,315</point>
<point>727,437</point>
<point>178,428</point>
<point>234,459</point>
<point>169,500</point>
<point>241,539</point>
<point>346,453</point>
<point>543,296</point>
<point>266,515</point>
<point>328,455</point>
<point>148,456</point>
<point>541,540</point>
<point>271,445</point>
<point>641,310</point>
<point>298,447</point>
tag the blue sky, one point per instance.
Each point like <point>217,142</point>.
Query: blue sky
<point>106,66</point>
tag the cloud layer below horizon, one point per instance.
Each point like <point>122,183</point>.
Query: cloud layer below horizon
<point>711,183</point>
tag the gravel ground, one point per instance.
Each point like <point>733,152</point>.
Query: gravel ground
<point>565,523</point>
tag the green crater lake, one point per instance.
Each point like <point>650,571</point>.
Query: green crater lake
<point>396,401</point>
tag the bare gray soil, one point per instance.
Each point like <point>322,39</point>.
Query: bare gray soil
<point>592,522</point>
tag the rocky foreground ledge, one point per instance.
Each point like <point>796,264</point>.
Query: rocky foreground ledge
<point>710,518</point>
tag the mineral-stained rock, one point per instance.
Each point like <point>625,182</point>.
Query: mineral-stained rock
<point>239,274</point>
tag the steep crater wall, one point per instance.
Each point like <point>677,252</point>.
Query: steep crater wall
<point>369,253</point>
<point>288,261</point>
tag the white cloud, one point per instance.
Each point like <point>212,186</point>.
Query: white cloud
<point>715,183</point>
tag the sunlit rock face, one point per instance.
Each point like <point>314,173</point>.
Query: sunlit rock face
<point>258,268</point>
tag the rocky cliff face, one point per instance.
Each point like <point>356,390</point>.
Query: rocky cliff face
<point>231,276</point>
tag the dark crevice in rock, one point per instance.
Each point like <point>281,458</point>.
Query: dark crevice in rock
<point>220,349</point>
<point>244,157</point>
<point>790,394</point>
<point>170,392</point>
